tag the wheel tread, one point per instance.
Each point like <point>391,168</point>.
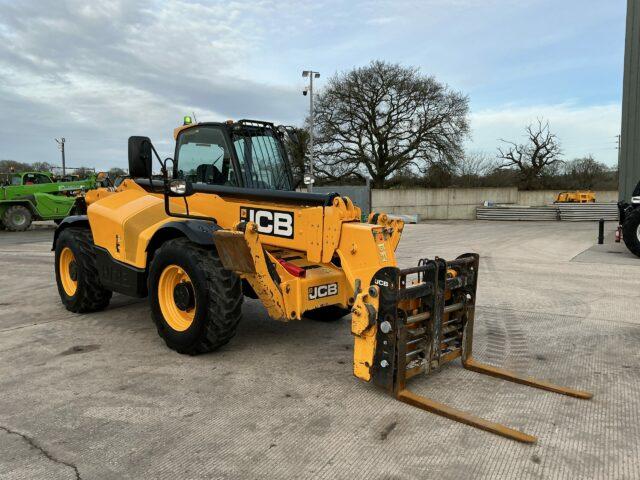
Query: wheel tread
<point>95,297</point>
<point>630,231</point>
<point>6,219</point>
<point>224,306</point>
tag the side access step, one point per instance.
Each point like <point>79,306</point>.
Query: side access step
<point>430,313</point>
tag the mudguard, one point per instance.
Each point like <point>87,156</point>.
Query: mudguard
<point>71,221</point>
<point>197,231</point>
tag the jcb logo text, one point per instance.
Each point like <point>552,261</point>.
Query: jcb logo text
<point>321,291</point>
<point>270,222</point>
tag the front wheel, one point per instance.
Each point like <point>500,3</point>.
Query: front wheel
<point>17,218</point>
<point>196,303</point>
<point>631,231</point>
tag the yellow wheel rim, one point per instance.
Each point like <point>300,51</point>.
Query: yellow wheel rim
<point>178,315</point>
<point>68,271</point>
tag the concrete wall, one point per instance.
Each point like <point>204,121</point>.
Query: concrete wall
<point>545,197</point>
<point>461,203</point>
<point>440,203</point>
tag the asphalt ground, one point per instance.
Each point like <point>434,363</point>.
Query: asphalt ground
<point>100,396</point>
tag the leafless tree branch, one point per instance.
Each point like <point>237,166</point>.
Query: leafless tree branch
<point>382,118</point>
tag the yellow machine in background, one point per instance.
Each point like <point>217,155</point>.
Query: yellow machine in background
<point>224,223</point>
<point>576,196</point>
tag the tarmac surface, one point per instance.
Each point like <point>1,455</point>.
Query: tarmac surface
<point>100,396</point>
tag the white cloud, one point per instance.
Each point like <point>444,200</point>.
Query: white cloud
<point>581,130</point>
<point>99,72</point>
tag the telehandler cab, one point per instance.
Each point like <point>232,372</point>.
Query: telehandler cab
<point>223,223</point>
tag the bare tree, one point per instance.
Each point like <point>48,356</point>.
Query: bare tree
<point>9,166</point>
<point>532,158</point>
<point>115,172</point>
<point>296,142</point>
<point>81,171</point>
<point>42,166</point>
<point>384,118</point>
<point>472,167</point>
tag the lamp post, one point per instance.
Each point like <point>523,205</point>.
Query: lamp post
<point>61,146</point>
<point>311,74</point>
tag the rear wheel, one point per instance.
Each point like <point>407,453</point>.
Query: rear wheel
<point>76,273</point>
<point>196,303</point>
<point>17,218</point>
<point>631,231</point>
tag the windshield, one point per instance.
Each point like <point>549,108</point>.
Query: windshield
<point>203,156</point>
<point>262,161</point>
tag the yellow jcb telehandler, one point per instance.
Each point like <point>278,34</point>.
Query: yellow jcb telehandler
<point>576,196</point>
<point>224,222</point>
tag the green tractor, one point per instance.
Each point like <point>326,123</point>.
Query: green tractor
<point>29,196</point>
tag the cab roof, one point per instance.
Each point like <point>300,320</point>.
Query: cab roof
<point>243,122</point>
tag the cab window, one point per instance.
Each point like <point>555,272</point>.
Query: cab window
<point>42,178</point>
<point>203,156</point>
<point>262,161</point>
<point>35,179</point>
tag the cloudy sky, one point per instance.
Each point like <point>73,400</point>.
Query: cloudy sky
<point>97,72</point>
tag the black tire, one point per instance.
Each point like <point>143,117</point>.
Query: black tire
<point>217,292</point>
<point>631,231</point>
<point>90,295</point>
<point>17,218</point>
<point>330,313</point>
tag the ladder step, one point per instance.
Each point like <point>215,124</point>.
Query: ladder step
<point>417,340</point>
<point>417,318</point>
<point>450,355</point>
<point>454,307</point>
<point>451,328</point>
<point>413,371</point>
<point>414,352</point>
<point>416,331</point>
<point>454,320</point>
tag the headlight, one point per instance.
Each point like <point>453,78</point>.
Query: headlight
<point>635,199</point>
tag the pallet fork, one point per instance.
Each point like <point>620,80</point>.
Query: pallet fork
<point>428,322</point>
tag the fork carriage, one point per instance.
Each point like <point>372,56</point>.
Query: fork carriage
<point>425,317</point>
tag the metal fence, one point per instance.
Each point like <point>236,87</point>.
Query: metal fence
<point>516,212</point>
<point>572,212</point>
<point>583,212</point>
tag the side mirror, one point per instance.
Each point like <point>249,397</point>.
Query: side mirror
<point>180,188</point>
<point>139,157</point>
